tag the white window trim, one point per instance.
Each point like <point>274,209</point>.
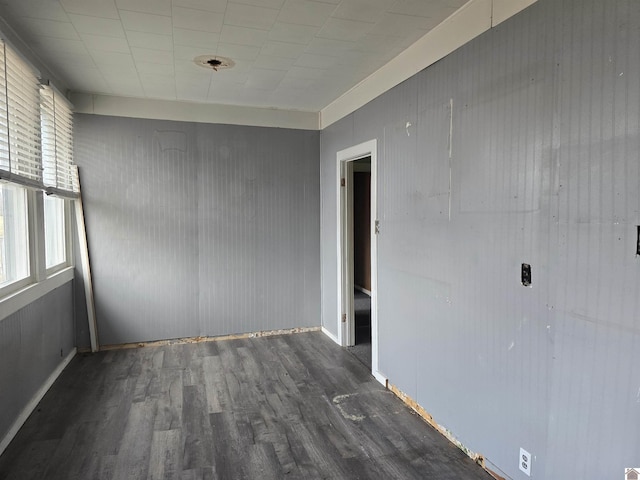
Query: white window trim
<point>68,250</point>
<point>21,293</point>
<point>13,287</point>
<point>29,294</point>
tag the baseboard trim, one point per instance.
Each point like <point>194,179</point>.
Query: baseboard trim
<point>426,416</point>
<point>33,403</point>
<point>182,341</point>
<point>381,378</point>
<point>330,335</point>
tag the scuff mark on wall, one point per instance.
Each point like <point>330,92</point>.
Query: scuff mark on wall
<point>169,140</point>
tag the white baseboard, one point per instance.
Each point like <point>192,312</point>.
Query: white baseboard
<point>381,378</point>
<point>31,406</point>
<point>330,335</point>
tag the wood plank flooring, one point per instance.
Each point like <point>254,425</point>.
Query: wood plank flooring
<point>284,407</point>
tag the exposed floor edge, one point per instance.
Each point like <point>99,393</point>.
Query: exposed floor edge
<point>33,403</point>
<point>416,407</point>
<point>182,341</point>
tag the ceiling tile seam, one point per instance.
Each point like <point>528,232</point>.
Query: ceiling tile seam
<point>173,42</point>
<point>277,56</point>
<point>87,50</point>
<point>138,73</point>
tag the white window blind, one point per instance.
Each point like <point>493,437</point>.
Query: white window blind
<point>57,143</point>
<point>20,150</point>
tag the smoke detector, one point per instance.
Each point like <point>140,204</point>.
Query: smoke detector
<point>214,62</point>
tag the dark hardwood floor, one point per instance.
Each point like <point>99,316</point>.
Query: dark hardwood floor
<point>294,406</point>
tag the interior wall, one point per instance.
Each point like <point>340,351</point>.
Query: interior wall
<point>542,167</point>
<point>34,341</point>
<point>199,229</point>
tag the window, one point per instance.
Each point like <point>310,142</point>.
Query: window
<point>56,126</point>
<point>20,150</point>
<point>37,177</point>
<point>54,231</point>
<point>14,235</point>
<point>59,174</point>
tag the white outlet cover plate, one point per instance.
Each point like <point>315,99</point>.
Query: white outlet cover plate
<point>525,461</point>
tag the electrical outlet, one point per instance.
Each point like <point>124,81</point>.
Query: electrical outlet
<point>525,461</point>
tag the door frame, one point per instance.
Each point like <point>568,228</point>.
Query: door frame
<point>344,169</point>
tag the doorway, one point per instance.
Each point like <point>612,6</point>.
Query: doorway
<point>357,312</point>
<point>361,227</point>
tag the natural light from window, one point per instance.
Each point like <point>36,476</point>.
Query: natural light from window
<point>54,231</point>
<point>14,234</point>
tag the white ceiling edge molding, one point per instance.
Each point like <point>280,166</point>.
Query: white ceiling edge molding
<point>193,112</point>
<point>471,20</point>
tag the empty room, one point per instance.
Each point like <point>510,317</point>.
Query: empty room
<point>319,239</point>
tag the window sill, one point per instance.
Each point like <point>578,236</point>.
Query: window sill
<point>29,294</point>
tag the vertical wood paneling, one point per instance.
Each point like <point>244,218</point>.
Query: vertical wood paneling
<point>33,342</point>
<point>545,171</point>
<point>595,382</point>
<point>254,232</point>
<point>199,229</point>
<point>139,188</point>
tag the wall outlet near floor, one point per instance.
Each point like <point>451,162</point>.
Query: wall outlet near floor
<point>525,461</point>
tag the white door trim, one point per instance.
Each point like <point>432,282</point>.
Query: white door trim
<point>345,254</point>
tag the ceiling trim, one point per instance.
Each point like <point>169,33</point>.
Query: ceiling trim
<point>193,112</point>
<point>471,20</point>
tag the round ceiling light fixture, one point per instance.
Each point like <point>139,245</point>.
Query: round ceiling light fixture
<point>214,62</point>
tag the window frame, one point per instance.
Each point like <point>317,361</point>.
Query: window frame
<point>12,287</point>
<point>68,251</point>
<point>41,280</point>
<point>28,141</point>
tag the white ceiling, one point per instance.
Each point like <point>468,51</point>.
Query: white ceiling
<point>289,54</point>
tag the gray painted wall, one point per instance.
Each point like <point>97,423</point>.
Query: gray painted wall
<point>33,342</point>
<point>198,229</point>
<point>545,171</point>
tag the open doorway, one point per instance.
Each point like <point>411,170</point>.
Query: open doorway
<point>361,219</point>
<point>357,300</point>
